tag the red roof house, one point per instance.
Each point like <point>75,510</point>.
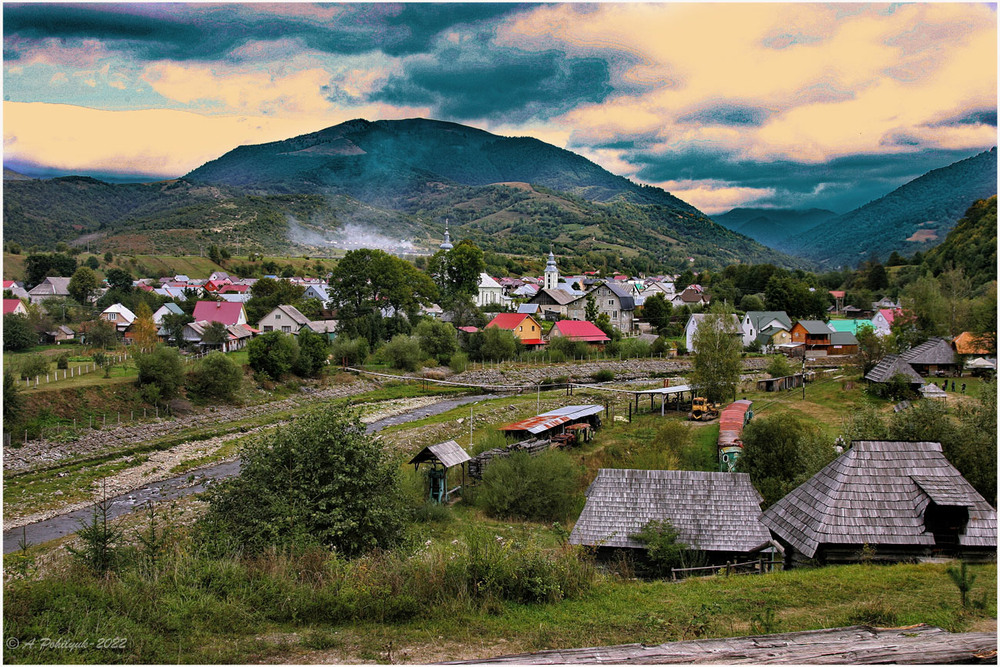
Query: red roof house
<point>523,326</point>
<point>220,311</point>
<point>234,289</point>
<point>14,306</point>
<point>577,330</point>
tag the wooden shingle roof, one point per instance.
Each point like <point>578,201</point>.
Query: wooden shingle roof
<point>713,511</point>
<point>933,351</point>
<point>449,453</point>
<point>876,493</point>
<point>891,365</point>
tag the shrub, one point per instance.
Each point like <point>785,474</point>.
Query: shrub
<point>215,376</point>
<point>273,354</point>
<point>403,352</point>
<point>633,348</point>
<point>162,368</point>
<point>62,361</point>
<point>13,399</point>
<point>17,333</point>
<point>536,488</point>
<point>319,481</point>
<point>779,367</point>
<point>314,350</point>
<point>603,375</point>
<point>663,548</point>
<point>497,344</point>
<point>353,350</point>
<point>459,362</point>
<point>33,365</point>
<point>437,339</point>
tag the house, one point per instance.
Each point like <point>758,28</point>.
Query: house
<point>967,343</point>
<point>169,308</point>
<point>814,334</point>
<point>171,292</point>
<point>233,289</point>
<point>577,330</point>
<point>218,276</point>
<point>49,288</point>
<point>118,315</point>
<point>933,356</point>
<point>237,335</point>
<point>490,292</point>
<point>850,326</point>
<point>884,303</point>
<point>325,328</point>
<point>283,318</point>
<point>842,342</point>
<point>756,321</point>
<point>898,500</point>
<point>883,319</point>
<point>717,513</point>
<point>554,301</point>
<point>17,290</point>
<point>525,327</point>
<point>235,297</point>
<point>663,287</point>
<point>613,300</point>
<point>528,308</point>
<point>690,297</point>
<point>317,291</point>
<point>773,337</point>
<point>14,306</point>
<point>60,334</point>
<point>220,311</point>
<point>692,326</point>
<point>889,367</point>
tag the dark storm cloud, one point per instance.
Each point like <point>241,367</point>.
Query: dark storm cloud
<point>973,117</point>
<point>193,32</point>
<point>726,113</point>
<point>502,83</point>
<point>840,185</point>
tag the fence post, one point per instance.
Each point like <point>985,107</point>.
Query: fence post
<point>25,436</point>
<point>728,567</point>
<point>105,424</point>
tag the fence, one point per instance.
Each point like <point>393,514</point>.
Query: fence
<point>67,373</point>
<point>759,566</point>
<point>91,423</point>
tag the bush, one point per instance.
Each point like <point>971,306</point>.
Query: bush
<point>62,361</point>
<point>437,339</point>
<point>459,362</point>
<point>779,367</point>
<point>353,350</point>
<point>497,344</point>
<point>13,399</point>
<point>319,481</point>
<point>633,348</point>
<point>162,368</point>
<point>273,354</point>
<point>32,366</point>
<point>603,375</point>
<point>314,350</point>
<point>536,488</point>
<point>17,333</point>
<point>403,352</point>
<point>215,376</point>
<point>663,548</point>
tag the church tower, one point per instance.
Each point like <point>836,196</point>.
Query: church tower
<point>446,246</point>
<point>551,273</point>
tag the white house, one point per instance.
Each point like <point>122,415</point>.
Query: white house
<point>490,292</point>
<point>283,318</point>
<point>882,321</point>
<point>692,326</point>
<point>118,315</point>
<point>756,321</point>
<point>169,308</point>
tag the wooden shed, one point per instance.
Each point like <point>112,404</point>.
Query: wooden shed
<point>441,457</point>
<point>715,512</point>
<point>901,499</point>
<point>891,366</point>
<point>935,356</point>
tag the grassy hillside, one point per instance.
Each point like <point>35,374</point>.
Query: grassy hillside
<point>971,245</point>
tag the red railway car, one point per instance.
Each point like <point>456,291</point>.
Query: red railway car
<point>732,419</point>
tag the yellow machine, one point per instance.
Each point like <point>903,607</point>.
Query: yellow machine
<point>702,409</point>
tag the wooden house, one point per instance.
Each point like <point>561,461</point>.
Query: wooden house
<point>934,356</point>
<point>898,500</point>
<point>15,307</point>
<point>60,334</point>
<point>440,458</point>
<point>842,342</point>
<point>813,334</point>
<point>53,286</point>
<point>717,513</point>
<point>553,301</point>
<point>525,327</point>
<point>973,344</point>
<point>890,366</point>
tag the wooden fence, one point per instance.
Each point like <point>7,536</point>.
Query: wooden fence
<point>759,566</point>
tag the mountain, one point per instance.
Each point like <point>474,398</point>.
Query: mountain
<point>915,216</point>
<point>771,226</point>
<point>389,180</point>
<point>971,245</point>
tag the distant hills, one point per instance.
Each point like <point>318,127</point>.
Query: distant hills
<point>395,179</point>
<point>772,227</point>
<point>971,245</point>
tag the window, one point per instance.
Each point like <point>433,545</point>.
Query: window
<point>611,302</point>
<point>520,328</point>
<point>268,328</point>
<point>277,316</point>
<point>112,317</point>
<point>532,327</point>
<point>286,329</point>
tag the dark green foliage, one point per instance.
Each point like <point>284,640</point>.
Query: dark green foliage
<point>352,351</point>
<point>215,376</point>
<point>963,581</point>
<point>319,481</point>
<point>536,488</point>
<point>457,270</point>
<point>971,245</point>
<point>41,266</point>
<point>603,375</point>
<point>313,352</point>
<point>898,388</point>
<point>779,366</point>
<point>273,354</point>
<point>119,279</point>
<point>62,361</point>
<point>215,335</point>
<point>656,310</point>
<point>32,365</point>
<point>92,263</point>
<point>100,550</point>
<point>664,550</point>
<point>17,333</point>
<point>718,357</point>
<point>793,297</point>
<point>102,334</point>
<point>268,293</point>
<point>437,339</point>
<point>494,344</point>
<point>13,399</point>
<point>82,285</point>
<point>781,452</point>
<point>403,352</point>
<point>163,369</point>
<point>174,324</point>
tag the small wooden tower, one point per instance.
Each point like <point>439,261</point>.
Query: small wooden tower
<point>441,457</point>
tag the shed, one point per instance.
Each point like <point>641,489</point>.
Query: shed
<point>553,419</point>
<point>901,499</point>
<point>933,356</point>
<point>718,513</point>
<point>441,457</point>
<point>890,366</point>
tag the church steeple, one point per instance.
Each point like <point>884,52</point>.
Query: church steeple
<point>551,272</point>
<point>447,239</point>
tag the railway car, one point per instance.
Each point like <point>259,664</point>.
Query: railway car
<point>731,422</point>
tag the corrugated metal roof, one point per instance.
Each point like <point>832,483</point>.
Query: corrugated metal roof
<point>574,411</point>
<point>449,453</point>
<point>536,425</point>
<point>666,390</point>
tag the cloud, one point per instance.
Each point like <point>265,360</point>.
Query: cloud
<point>728,113</point>
<point>466,83</point>
<point>980,116</point>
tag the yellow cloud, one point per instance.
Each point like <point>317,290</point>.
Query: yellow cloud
<point>712,197</point>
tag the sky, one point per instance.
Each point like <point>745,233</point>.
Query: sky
<point>723,105</point>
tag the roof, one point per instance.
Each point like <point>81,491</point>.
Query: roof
<point>933,351</point>
<point>970,343</point>
<point>889,314</point>
<point>759,319</point>
<point>552,418</point>
<point>120,309</point>
<point>842,338</point>
<point>892,365</point>
<point>449,453</point>
<point>218,311</point>
<point>9,305</point>
<point>508,321</point>
<point>982,363</point>
<point>292,312</point>
<point>560,296</point>
<point>580,330</point>
<point>876,493</point>
<point>469,329</point>
<point>323,326</point>
<point>528,308</point>
<point>172,307</point>
<point>624,294</point>
<point>849,325</point>
<point>54,285</point>
<point>712,511</point>
<point>815,327</point>
<point>486,282</point>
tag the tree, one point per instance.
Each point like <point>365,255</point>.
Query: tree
<point>437,339</point>
<point>38,267</point>
<point>456,271</point>
<point>779,367</point>
<point>17,333</point>
<point>664,549</point>
<point>163,369</point>
<point>144,330</point>
<point>108,257</point>
<point>119,280</point>
<point>215,335</point>
<point>872,348</point>
<point>215,376</point>
<point>214,254</point>
<point>403,352</point>
<point>657,310</point>
<point>497,344</point>
<point>13,398</point>
<point>319,481</point>
<point>92,263</point>
<point>780,452</point>
<point>268,293</point>
<point>591,310</point>
<point>83,285</point>
<point>272,354</point>
<point>718,357</point>
<point>751,302</point>
<point>174,325</point>
<point>102,334</point>
<point>314,350</point>
<point>535,488</point>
